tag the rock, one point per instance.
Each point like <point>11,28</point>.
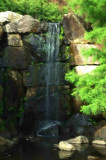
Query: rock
<point>95,158</point>
<point>63,145</point>
<point>78,58</point>
<point>76,124</point>
<point>8,17</point>
<point>14,40</point>
<point>28,24</point>
<point>1,31</point>
<point>99,142</point>
<point>73,29</point>
<point>43,26</point>
<point>4,141</point>
<point>85,69</point>
<point>37,74</point>
<point>81,147</point>
<point>37,44</point>
<point>13,97</point>
<point>80,140</point>
<point>65,154</point>
<point>59,97</point>
<point>96,132</point>
<point>79,120</point>
<point>48,128</point>
<point>11,27</point>
<point>100,133</point>
<point>100,148</point>
<point>16,57</point>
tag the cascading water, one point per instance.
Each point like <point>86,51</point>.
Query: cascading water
<point>52,74</point>
<point>52,63</point>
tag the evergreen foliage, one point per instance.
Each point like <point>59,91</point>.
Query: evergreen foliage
<point>91,87</point>
<point>41,9</point>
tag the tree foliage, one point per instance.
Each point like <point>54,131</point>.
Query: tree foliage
<point>91,87</point>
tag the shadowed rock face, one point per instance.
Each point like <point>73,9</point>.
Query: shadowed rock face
<point>1,32</point>
<point>16,57</point>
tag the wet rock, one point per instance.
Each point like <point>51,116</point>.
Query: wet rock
<point>37,74</point>
<point>76,124</point>
<point>14,40</point>
<point>38,46</point>
<point>63,145</point>
<point>85,69</point>
<point>79,120</point>
<point>59,98</point>
<point>99,142</point>
<point>4,141</point>
<point>73,29</point>
<point>78,58</point>
<point>95,158</point>
<point>81,147</point>
<point>48,129</point>
<point>43,26</point>
<point>80,140</point>
<point>8,16</point>
<point>65,154</point>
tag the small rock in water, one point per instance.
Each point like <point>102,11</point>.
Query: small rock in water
<point>95,158</point>
<point>65,154</point>
<point>99,142</point>
<point>63,145</point>
<point>79,139</point>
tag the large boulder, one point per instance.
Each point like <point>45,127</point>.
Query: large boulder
<point>48,128</point>
<point>63,145</point>
<point>73,29</point>
<point>76,124</point>
<point>78,58</point>
<point>26,24</point>
<point>79,140</point>
<point>14,40</point>
<point>8,17</point>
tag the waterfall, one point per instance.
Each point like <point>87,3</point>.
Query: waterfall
<point>49,126</point>
<point>52,70</point>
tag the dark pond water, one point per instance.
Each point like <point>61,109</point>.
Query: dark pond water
<point>45,150</point>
